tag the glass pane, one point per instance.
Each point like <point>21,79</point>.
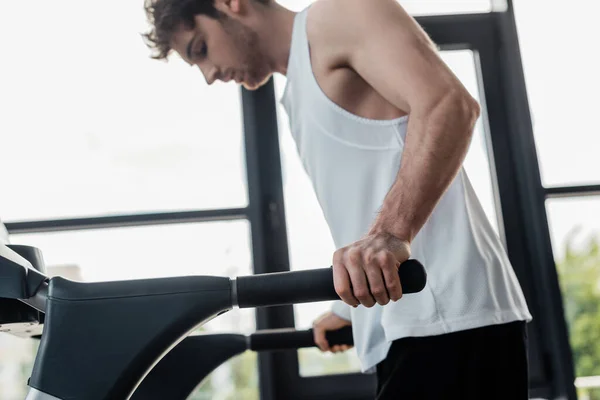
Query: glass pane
<point>91,125</point>
<point>561,74</point>
<point>16,362</point>
<point>219,248</point>
<point>422,7</point>
<point>575,230</point>
<point>433,7</point>
<point>237,379</point>
<point>477,163</point>
<point>310,242</point>
<point>215,248</point>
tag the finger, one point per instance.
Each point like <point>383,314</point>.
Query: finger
<point>340,348</point>
<point>376,282</point>
<point>342,284</point>
<point>359,282</point>
<point>391,277</point>
<point>346,347</point>
<point>320,339</point>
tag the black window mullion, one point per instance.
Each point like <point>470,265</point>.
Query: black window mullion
<point>572,191</point>
<point>125,220</point>
<point>268,227</point>
<point>455,32</point>
<point>515,239</point>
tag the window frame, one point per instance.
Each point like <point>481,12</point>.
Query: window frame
<point>521,209</point>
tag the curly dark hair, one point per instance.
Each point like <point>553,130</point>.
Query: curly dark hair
<point>165,16</point>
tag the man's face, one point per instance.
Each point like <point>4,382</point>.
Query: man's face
<point>223,49</point>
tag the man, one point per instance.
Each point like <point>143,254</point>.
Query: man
<point>382,126</point>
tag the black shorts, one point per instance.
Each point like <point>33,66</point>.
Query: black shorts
<point>484,363</point>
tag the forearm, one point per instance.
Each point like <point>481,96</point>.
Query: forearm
<point>436,144</point>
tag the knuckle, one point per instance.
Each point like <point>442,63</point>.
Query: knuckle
<point>369,255</point>
<point>343,290</point>
<point>378,291</point>
<point>344,293</point>
<point>338,256</point>
<point>383,257</point>
<point>361,293</point>
<point>384,301</point>
<point>393,285</point>
<point>354,256</point>
<point>407,250</point>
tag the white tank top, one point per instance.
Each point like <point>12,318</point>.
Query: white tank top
<point>352,162</point>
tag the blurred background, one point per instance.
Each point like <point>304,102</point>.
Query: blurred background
<point>91,127</point>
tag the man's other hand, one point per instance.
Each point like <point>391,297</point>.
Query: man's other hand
<point>329,322</point>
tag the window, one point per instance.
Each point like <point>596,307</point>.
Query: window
<point>561,79</point>
<point>425,7</point>
<point>434,7</point>
<point>94,126</point>
<point>233,380</point>
<point>216,248</point>
<point>477,163</point>
<point>575,231</point>
<point>561,75</point>
<point>310,243</point>
<point>16,362</point>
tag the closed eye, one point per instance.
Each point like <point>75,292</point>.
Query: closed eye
<point>202,52</point>
<point>193,52</point>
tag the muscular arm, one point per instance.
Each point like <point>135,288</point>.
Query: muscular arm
<point>390,51</point>
<point>436,143</point>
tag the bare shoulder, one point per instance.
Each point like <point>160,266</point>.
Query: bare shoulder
<point>338,25</point>
<point>325,28</point>
<point>339,33</point>
<point>322,34</point>
<point>378,43</point>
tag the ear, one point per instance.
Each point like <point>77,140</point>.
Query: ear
<point>236,7</point>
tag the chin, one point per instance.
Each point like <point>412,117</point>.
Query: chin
<point>256,84</point>
<point>249,86</point>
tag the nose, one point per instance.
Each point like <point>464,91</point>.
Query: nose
<point>211,73</point>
